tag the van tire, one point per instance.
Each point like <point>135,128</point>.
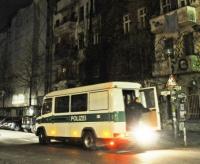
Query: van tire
<point>43,139</point>
<point>89,140</point>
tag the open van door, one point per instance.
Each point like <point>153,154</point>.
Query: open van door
<point>149,99</point>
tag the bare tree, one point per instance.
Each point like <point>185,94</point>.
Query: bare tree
<point>4,71</point>
<point>30,71</point>
<point>30,66</point>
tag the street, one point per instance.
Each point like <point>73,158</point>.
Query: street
<point>20,147</point>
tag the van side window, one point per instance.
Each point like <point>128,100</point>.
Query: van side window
<point>79,103</point>
<point>47,106</point>
<point>62,104</point>
<point>128,96</point>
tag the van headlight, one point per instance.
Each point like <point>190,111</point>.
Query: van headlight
<point>145,134</point>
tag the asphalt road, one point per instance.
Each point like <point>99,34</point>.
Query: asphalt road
<point>23,148</point>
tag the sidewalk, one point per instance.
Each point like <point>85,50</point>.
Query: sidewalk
<point>167,139</point>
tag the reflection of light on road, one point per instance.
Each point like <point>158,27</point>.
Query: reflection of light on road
<point>152,155</point>
<point>163,156</point>
<point>119,158</point>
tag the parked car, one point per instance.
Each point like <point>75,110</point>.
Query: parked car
<point>10,124</point>
<point>29,118</point>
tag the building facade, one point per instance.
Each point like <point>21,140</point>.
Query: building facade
<point>98,41</point>
<point>177,50</point>
<point>23,51</point>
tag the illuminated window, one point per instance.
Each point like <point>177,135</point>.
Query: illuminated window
<point>18,99</point>
<point>126,23</point>
<point>142,17</point>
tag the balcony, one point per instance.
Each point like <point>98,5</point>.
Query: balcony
<point>67,27</point>
<point>64,51</point>
<point>187,64</point>
<point>172,21</point>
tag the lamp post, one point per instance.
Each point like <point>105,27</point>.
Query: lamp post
<point>177,100</point>
<point>3,100</point>
<point>171,84</point>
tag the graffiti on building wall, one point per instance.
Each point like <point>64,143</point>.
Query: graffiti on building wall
<point>159,48</point>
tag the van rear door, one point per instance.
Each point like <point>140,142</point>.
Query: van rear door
<point>148,97</point>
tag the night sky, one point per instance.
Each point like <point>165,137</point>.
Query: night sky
<point>8,8</point>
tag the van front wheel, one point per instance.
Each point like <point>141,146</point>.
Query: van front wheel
<point>89,141</point>
<point>43,139</point>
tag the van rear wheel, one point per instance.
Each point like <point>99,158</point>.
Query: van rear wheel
<point>43,139</point>
<point>89,140</point>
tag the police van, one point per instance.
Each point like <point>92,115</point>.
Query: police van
<point>98,113</point>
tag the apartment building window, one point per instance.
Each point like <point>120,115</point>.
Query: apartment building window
<point>61,73</point>
<point>81,40</point>
<point>81,13</point>
<point>165,6</point>
<point>188,44</point>
<point>194,2</point>
<point>126,23</point>
<point>142,17</point>
<point>73,17</point>
<point>169,47</point>
<point>64,20</point>
<point>87,10</point>
<point>182,3</point>
<point>96,38</point>
<point>93,6</point>
<point>57,23</point>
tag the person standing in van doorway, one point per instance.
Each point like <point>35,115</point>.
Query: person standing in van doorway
<point>134,112</point>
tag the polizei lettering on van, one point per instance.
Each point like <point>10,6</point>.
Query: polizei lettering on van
<point>79,118</point>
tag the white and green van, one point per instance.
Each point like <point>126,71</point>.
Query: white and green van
<point>97,113</point>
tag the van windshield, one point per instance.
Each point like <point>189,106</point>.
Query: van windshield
<point>47,106</point>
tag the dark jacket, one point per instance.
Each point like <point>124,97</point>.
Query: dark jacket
<point>134,113</point>
<point>136,106</point>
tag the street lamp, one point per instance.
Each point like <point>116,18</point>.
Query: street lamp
<point>169,53</point>
<point>3,100</point>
